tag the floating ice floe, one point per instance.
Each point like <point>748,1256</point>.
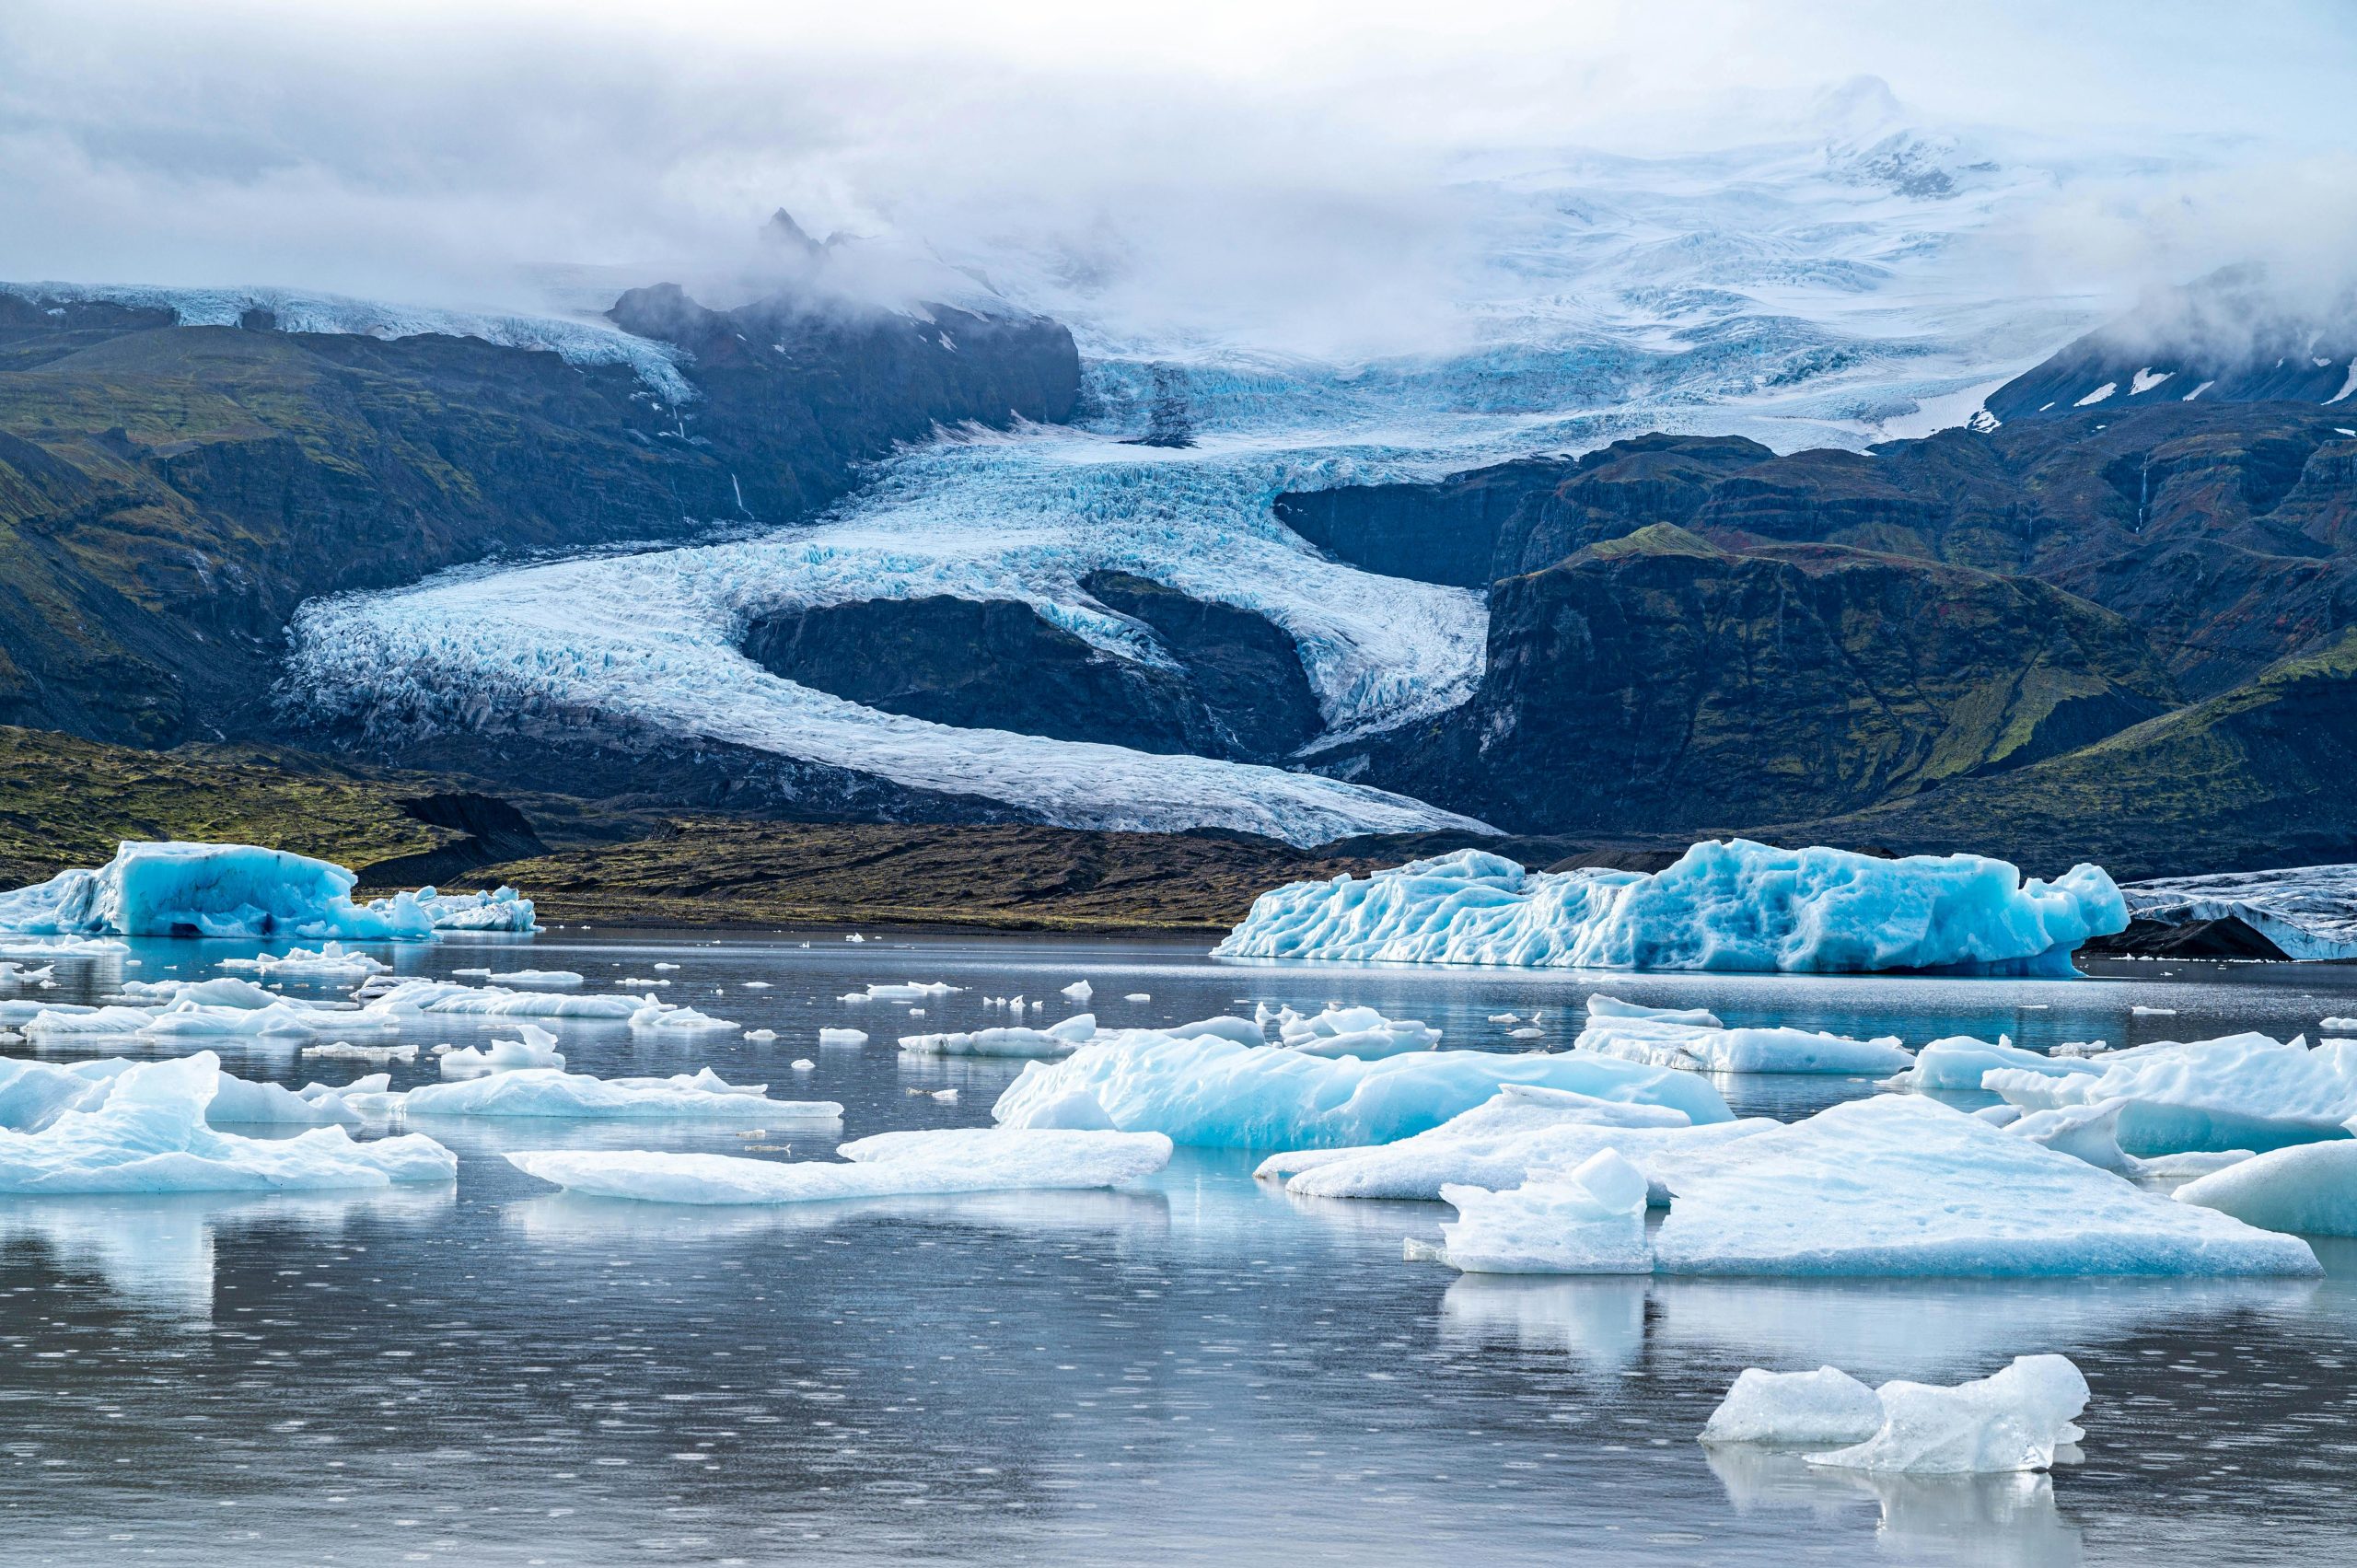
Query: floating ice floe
<point>1214,1090</point>
<point>499,909</point>
<point>151,1133</point>
<point>1054,1041</point>
<point>222,990</point>
<point>14,945</point>
<point>14,974</point>
<point>1959,1061</point>
<point>450,997</point>
<point>1902,1185</point>
<point>900,992</point>
<point>842,1036</point>
<point>1500,1143</point>
<point>536,1048</point>
<point>2242,1091</point>
<point>2310,1188</point>
<point>344,1050</point>
<point>1354,1031</point>
<point>1668,1041</point>
<point>889,1165</point>
<point>549,978</point>
<point>2307,912</point>
<point>1078,991</point>
<point>2012,1421</point>
<point>1588,1220</point>
<point>550,1092</point>
<point>653,1018</point>
<point>1138,996</point>
<point>332,961</point>
<point>1725,905</point>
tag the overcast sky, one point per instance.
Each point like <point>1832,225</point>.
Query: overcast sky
<point>425,150</point>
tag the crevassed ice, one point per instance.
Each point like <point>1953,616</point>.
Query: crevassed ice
<point>2308,911</point>
<point>894,1165</point>
<point>151,1134</point>
<point>1729,904</point>
<point>1211,1090</point>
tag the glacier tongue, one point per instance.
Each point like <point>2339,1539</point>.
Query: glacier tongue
<point>1728,904</point>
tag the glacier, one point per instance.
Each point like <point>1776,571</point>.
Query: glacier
<point>893,1164</point>
<point>150,1134</point>
<point>2010,1422</point>
<point>1726,904</point>
<point>1791,292</point>
<point>2308,911</point>
<point>1211,1090</point>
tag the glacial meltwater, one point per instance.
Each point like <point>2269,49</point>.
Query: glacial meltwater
<point>1199,1369</point>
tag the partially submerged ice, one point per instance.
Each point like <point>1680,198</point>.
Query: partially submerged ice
<point>890,1165</point>
<point>1057,1040</point>
<point>2012,1421</point>
<point>151,1132</point>
<point>1500,1143</point>
<point>1902,1185</point>
<point>2244,1091</point>
<point>175,888</point>
<point>1670,1039</point>
<point>1214,1090</point>
<point>550,1092</point>
<point>2311,1189</point>
<point>1728,904</point>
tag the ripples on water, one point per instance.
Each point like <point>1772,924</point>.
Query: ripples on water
<point>1205,1370</point>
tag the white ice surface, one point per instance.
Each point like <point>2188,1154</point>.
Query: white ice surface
<point>2011,1421</point>
<point>333,960</point>
<point>551,1092</point>
<point>1898,1184</point>
<point>1958,1062</point>
<point>1351,1031</point>
<point>2310,1188</point>
<point>1796,1410</point>
<point>1055,1040</point>
<point>1211,1090</point>
<point>536,1049</point>
<point>891,1165</point>
<point>2238,1092</point>
<point>1702,1049</point>
<point>151,1134</point>
<point>1589,1220</point>
<point>1728,904</point>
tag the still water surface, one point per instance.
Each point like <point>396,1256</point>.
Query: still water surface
<point>1204,1370</point>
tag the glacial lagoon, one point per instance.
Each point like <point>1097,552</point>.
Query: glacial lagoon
<point>1200,1369</point>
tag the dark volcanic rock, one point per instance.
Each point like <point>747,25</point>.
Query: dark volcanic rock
<point>1238,691</point>
<point>1659,681</point>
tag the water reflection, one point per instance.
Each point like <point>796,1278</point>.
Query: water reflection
<point>2002,1521</point>
<point>1599,1323</point>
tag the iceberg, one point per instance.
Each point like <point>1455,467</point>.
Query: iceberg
<point>551,1092</point>
<point>653,1018</point>
<point>151,1134</point>
<point>498,909</point>
<point>1796,1410</point>
<point>2306,911</point>
<point>1902,1185</point>
<point>1351,1031</point>
<point>890,1165</point>
<point>32,1094</point>
<point>2311,1187</point>
<point>1501,1142</point>
<point>1013,1040</point>
<point>2011,1421</point>
<point>1586,1221</point>
<point>1712,1048</point>
<point>1730,905</point>
<point>536,1048</point>
<point>2244,1091</point>
<point>200,890</point>
<point>1211,1090</point>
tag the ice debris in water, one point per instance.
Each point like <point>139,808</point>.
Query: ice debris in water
<point>888,1164</point>
<point>842,1036</point>
<point>151,1133</point>
<point>206,889</point>
<point>1723,905</point>
<point>1589,1220</point>
<point>33,1093</point>
<point>2012,1421</point>
<point>1054,1041</point>
<point>1078,991</point>
<point>2311,1187</point>
<point>1209,1088</point>
<point>2244,1091</point>
<point>536,1048</point>
<point>803,1064</point>
<point>900,992</point>
<point>660,1019</point>
<point>1902,1185</point>
<point>1521,1131</point>
<point>1355,1031</point>
<point>760,1037</point>
<point>344,1051</point>
<point>1666,1040</point>
<point>331,962</point>
<point>553,979</point>
<point>1138,996</point>
<point>548,1092</point>
<point>450,997</point>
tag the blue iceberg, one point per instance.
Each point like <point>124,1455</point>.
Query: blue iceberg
<point>1731,905</point>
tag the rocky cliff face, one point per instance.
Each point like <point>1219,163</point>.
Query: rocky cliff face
<point>169,494</point>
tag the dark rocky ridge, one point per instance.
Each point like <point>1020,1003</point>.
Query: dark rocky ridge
<point>169,494</point>
<point>1239,690</point>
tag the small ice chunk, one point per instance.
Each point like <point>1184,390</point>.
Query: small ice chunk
<point>661,1018</point>
<point>552,979</point>
<point>888,1164</point>
<point>2008,1422</point>
<point>342,1050</point>
<point>1348,1031</point>
<point>1794,1410</point>
<point>1588,1221</point>
<point>1014,1040</point>
<point>1665,1042</point>
<point>759,984</point>
<point>667,966</point>
<point>1599,1005</point>
<point>760,1037</point>
<point>899,991</point>
<point>549,1092</point>
<point>1139,996</point>
<point>2144,1012</point>
<point>1078,991</point>
<point>842,1036</point>
<point>536,1048</point>
<point>803,1064</point>
<point>1505,1017</point>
